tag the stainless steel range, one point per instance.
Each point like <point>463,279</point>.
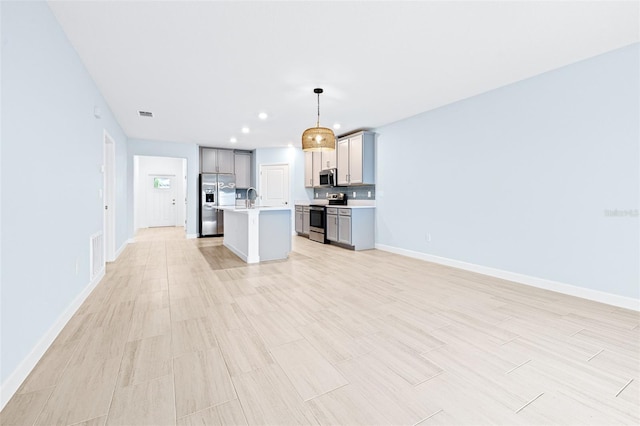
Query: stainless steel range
<point>316,223</point>
<point>318,218</point>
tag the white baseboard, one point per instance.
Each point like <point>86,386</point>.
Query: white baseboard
<point>191,236</point>
<point>121,249</point>
<point>13,382</point>
<point>558,287</point>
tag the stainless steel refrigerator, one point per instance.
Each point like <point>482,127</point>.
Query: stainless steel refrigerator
<point>215,190</point>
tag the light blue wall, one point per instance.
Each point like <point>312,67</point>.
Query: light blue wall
<point>167,149</point>
<point>519,178</point>
<point>52,150</point>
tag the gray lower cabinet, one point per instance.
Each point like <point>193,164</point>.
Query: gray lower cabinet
<point>298,219</point>
<point>331,231</point>
<point>351,227</point>
<point>305,220</point>
<point>344,226</point>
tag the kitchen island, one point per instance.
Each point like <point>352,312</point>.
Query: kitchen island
<point>258,234</point>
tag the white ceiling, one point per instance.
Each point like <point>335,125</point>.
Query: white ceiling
<point>206,68</point>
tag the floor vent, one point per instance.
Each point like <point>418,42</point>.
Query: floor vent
<point>96,254</point>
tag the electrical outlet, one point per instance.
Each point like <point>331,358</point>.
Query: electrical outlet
<point>369,194</point>
<point>326,194</point>
<point>316,195</point>
<point>427,237</point>
<point>354,194</point>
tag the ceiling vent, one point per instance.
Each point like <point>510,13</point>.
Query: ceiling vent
<point>145,114</point>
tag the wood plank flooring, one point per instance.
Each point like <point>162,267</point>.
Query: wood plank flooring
<point>181,333</point>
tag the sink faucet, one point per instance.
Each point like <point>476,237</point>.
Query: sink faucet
<point>249,203</point>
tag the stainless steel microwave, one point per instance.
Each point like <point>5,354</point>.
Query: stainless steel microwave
<point>328,177</point>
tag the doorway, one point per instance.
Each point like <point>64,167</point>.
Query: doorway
<point>159,191</point>
<point>274,185</point>
<point>109,208</point>
<point>161,200</point>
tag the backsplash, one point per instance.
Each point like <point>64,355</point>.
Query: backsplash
<point>241,194</point>
<point>362,192</point>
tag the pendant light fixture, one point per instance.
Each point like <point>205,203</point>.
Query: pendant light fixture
<point>318,138</point>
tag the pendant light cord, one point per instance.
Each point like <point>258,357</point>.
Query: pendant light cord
<point>318,122</point>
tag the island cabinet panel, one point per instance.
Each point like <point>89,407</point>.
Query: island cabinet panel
<point>275,235</point>
<point>259,234</point>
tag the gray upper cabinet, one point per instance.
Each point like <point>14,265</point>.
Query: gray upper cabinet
<point>308,169</point>
<point>226,163</point>
<point>328,159</point>
<point>242,162</point>
<point>316,167</point>
<point>356,159</point>
<point>314,162</point>
<point>214,160</point>
<point>208,160</point>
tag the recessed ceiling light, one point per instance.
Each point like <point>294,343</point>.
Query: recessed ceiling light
<point>290,145</point>
<point>233,140</point>
<point>263,116</point>
<point>245,130</point>
<point>336,126</point>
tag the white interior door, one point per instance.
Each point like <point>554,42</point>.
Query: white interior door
<point>274,185</point>
<point>161,200</point>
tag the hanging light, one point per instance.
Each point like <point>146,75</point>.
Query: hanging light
<point>318,138</point>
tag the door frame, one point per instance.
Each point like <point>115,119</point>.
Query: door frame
<point>109,196</point>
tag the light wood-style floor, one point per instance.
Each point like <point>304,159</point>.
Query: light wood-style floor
<point>328,336</point>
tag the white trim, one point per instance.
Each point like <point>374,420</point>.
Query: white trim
<point>191,236</point>
<point>13,382</point>
<point>558,287</point>
<point>109,196</point>
<point>121,249</point>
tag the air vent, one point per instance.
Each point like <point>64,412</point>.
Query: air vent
<point>145,114</point>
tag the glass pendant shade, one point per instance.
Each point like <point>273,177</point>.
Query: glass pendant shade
<point>318,138</point>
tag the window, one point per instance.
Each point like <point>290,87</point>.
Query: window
<point>161,183</point>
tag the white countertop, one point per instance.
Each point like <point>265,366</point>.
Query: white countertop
<point>351,204</point>
<point>256,209</point>
<point>354,207</point>
<point>348,206</point>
